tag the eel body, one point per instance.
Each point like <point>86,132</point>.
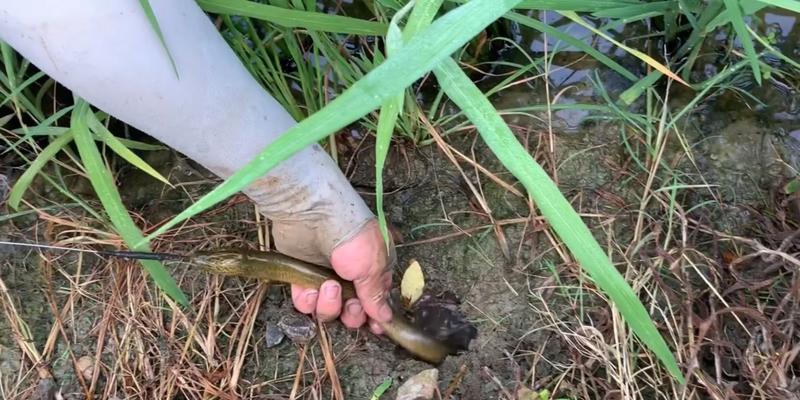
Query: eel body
<point>277,267</point>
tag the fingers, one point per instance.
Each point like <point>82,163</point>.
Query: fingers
<point>374,292</point>
<point>353,315</point>
<point>326,303</point>
<point>363,260</point>
<point>375,327</point>
<point>305,300</point>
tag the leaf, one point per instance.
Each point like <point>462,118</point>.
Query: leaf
<point>792,186</point>
<point>24,181</point>
<point>294,18</point>
<point>151,17</point>
<point>737,20</point>
<point>103,185</point>
<point>555,208</point>
<point>381,389</point>
<point>412,284</point>
<point>417,57</point>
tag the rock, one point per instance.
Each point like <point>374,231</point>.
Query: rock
<point>45,390</point>
<point>421,386</point>
<point>4,188</point>
<point>273,335</point>
<point>298,328</point>
<point>85,366</point>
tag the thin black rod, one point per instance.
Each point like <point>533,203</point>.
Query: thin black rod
<point>136,255</point>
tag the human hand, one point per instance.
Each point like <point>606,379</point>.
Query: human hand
<point>364,259</point>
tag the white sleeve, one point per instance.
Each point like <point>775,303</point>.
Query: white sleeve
<point>213,112</point>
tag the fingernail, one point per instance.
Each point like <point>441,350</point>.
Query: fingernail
<point>331,292</point>
<point>354,308</point>
<point>385,313</point>
<point>311,298</point>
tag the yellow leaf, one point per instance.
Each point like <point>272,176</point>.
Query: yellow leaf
<point>412,284</point>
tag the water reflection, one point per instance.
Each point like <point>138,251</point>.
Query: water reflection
<point>571,72</point>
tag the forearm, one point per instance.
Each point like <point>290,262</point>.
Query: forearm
<point>213,112</point>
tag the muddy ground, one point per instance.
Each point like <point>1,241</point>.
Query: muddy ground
<point>514,286</point>
<point>426,199</point>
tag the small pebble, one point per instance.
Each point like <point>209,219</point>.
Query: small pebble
<point>85,366</point>
<point>4,188</point>
<point>273,335</point>
<point>298,328</point>
<point>420,386</point>
<point>46,389</point>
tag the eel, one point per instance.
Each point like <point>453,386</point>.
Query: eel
<point>277,267</point>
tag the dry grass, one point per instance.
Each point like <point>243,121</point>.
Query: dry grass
<point>113,336</point>
<point>727,303</point>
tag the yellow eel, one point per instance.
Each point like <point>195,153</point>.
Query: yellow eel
<point>278,267</point>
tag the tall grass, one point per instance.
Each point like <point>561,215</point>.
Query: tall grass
<point>381,82</point>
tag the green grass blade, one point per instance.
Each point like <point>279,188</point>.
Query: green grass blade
<point>417,57</point>
<point>737,20</point>
<point>632,93</point>
<point>103,185</point>
<point>294,18</point>
<point>24,181</point>
<point>8,63</point>
<point>387,121</point>
<point>4,120</point>
<point>22,86</point>
<point>118,147</point>
<point>137,145</point>
<point>634,10</point>
<point>9,79</point>
<point>151,17</point>
<point>554,207</point>
<point>706,86</point>
<point>42,130</point>
<point>773,50</point>
<point>580,44</point>
<point>710,11</point>
<point>381,389</point>
<point>791,5</point>
<point>748,8</point>
<point>28,132</point>
<point>636,53</point>
<point>421,17</point>
<point>569,5</point>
